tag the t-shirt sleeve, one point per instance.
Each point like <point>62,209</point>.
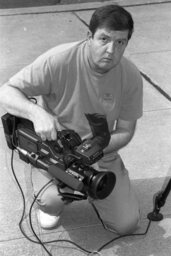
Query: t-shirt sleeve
<point>132,94</point>
<point>34,79</point>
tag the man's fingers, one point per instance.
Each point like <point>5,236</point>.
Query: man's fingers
<point>54,135</point>
<point>58,127</point>
<point>48,130</point>
<point>43,137</point>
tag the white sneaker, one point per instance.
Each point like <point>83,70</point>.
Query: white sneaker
<point>47,221</point>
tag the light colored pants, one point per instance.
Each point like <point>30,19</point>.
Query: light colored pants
<point>119,211</point>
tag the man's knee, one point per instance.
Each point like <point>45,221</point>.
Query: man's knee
<point>50,201</point>
<point>125,226</point>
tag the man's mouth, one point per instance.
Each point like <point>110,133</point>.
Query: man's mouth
<point>107,59</point>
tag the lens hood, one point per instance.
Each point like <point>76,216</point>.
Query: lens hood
<point>102,185</point>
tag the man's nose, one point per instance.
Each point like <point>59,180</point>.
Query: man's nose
<point>111,47</point>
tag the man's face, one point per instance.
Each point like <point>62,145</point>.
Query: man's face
<point>106,49</point>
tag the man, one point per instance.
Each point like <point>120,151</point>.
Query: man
<point>90,76</point>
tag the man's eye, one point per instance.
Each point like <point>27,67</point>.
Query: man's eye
<point>120,42</point>
<point>104,39</point>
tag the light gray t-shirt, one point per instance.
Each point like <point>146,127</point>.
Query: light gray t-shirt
<point>69,88</point>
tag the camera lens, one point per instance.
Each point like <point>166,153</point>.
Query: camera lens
<point>102,185</point>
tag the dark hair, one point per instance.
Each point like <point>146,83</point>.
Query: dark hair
<point>113,17</point>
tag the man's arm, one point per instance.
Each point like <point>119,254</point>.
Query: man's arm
<point>17,103</point>
<point>121,136</point>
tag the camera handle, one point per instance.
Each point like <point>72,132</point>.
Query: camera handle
<point>70,197</point>
<point>159,201</point>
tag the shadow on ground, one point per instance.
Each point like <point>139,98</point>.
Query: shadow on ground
<point>5,4</point>
<point>26,3</point>
<point>80,225</point>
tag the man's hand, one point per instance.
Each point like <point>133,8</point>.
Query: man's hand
<point>45,124</point>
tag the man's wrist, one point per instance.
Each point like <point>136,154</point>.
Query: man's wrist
<point>34,111</point>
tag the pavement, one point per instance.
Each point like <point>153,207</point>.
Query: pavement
<point>26,33</point>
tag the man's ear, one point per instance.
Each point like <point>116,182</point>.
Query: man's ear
<point>89,35</point>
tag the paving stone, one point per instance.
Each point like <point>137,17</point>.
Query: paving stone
<point>20,247</point>
<point>25,37</point>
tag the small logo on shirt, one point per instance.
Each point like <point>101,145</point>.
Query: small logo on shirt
<point>108,96</point>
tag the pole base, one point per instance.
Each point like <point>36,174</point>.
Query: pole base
<point>153,216</point>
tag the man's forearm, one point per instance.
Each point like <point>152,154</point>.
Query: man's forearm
<point>119,139</point>
<point>15,102</point>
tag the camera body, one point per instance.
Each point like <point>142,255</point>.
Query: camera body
<point>68,159</point>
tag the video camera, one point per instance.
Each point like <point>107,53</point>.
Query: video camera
<point>68,159</point>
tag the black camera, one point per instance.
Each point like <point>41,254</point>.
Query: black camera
<point>68,159</point>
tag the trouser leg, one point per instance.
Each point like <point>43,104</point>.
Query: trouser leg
<point>120,210</point>
<point>49,200</point>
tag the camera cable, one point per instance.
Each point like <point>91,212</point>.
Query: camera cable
<point>43,243</point>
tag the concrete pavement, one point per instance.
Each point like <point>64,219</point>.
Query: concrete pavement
<point>28,34</point>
